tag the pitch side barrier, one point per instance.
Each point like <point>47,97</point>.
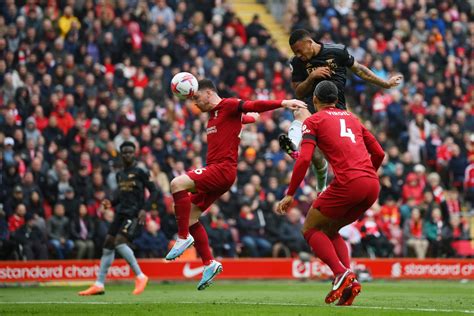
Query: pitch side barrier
<point>234,269</point>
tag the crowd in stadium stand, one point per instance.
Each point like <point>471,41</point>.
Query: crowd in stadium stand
<point>77,78</point>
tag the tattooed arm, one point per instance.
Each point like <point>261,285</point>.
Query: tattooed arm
<point>368,75</point>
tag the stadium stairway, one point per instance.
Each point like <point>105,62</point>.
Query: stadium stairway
<point>246,9</point>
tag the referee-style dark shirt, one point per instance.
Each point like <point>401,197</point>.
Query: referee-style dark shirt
<point>336,57</point>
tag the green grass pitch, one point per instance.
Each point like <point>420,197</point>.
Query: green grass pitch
<point>243,298</point>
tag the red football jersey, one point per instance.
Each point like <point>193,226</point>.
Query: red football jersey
<point>342,138</point>
<point>223,132</point>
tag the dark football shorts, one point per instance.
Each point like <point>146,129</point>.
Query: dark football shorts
<point>126,225</point>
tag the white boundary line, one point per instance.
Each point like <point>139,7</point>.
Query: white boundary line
<point>428,310</point>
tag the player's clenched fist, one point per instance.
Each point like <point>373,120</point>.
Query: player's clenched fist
<point>293,104</point>
<point>284,204</point>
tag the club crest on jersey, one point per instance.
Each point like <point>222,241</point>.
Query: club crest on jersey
<point>331,64</point>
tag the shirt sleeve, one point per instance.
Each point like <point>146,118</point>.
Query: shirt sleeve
<point>310,131</point>
<point>258,105</point>
<point>301,166</point>
<point>248,119</point>
<point>150,185</point>
<point>298,72</point>
<point>347,59</point>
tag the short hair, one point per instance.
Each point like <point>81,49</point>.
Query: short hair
<point>206,84</point>
<point>298,35</point>
<point>128,144</point>
<point>326,92</point>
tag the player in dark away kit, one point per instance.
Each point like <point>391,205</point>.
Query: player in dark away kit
<point>130,212</point>
<point>355,156</point>
<point>314,62</point>
<point>216,178</point>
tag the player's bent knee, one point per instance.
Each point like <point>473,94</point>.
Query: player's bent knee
<point>176,185</point>
<point>181,183</point>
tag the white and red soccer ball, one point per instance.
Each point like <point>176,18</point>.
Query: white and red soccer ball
<point>184,85</point>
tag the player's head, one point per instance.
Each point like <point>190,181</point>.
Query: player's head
<point>205,95</point>
<point>127,151</point>
<point>301,44</point>
<point>325,94</point>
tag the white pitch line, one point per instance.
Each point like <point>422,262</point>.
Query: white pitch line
<point>430,310</point>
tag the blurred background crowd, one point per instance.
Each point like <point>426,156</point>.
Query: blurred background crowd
<point>79,77</point>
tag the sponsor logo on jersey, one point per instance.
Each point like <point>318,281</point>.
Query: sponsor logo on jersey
<point>211,130</point>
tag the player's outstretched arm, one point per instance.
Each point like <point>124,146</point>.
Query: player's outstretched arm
<point>299,171</point>
<point>368,75</point>
<point>263,106</point>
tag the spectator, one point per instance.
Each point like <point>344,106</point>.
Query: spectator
<point>59,232</point>
<point>220,237</point>
<point>7,246</point>
<point>419,131</point>
<point>17,219</point>
<point>82,232</point>
<point>457,166</point>
<point>413,232</point>
<point>66,21</point>
<point>13,201</point>
<point>251,233</point>
<point>152,243</point>
<point>372,237</point>
<point>32,240</point>
<point>437,232</point>
<point>413,188</point>
<point>290,232</point>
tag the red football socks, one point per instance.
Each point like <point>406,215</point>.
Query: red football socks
<point>201,242</point>
<point>182,211</point>
<point>324,250</point>
<point>342,251</point>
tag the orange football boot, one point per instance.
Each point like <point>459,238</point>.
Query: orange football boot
<point>93,290</point>
<point>140,285</point>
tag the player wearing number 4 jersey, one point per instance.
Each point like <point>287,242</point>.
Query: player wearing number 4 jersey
<point>314,62</point>
<point>209,183</point>
<point>355,155</point>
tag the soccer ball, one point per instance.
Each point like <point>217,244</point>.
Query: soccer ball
<point>184,85</point>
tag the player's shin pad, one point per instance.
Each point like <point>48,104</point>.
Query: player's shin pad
<point>295,133</point>
<point>321,176</point>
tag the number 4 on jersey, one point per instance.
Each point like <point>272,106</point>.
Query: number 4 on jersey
<point>346,132</point>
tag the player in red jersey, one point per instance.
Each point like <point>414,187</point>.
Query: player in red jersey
<point>210,182</point>
<point>354,155</point>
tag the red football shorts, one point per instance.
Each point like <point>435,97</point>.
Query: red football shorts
<point>348,201</point>
<point>211,182</point>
